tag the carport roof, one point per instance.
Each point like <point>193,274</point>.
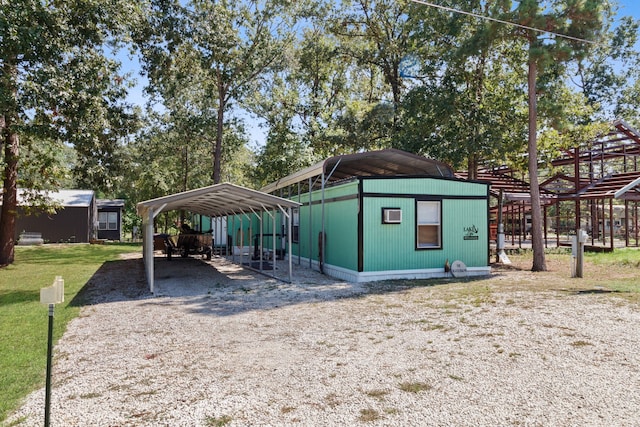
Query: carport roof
<point>216,200</point>
<point>388,162</point>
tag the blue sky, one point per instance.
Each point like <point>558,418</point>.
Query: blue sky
<point>630,7</point>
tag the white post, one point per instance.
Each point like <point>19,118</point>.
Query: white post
<point>289,241</point>
<point>148,249</point>
<point>275,250</point>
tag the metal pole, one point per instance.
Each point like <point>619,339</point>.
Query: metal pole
<point>322,238</point>
<point>581,238</point>
<point>299,216</point>
<point>47,402</point>
<point>558,224</point>
<point>261,246</point>
<point>275,250</point>
<point>290,241</point>
<point>611,231</point>
<point>310,230</point>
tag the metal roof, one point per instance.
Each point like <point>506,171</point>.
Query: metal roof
<point>216,200</point>
<point>65,198</point>
<point>110,203</point>
<point>389,162</point>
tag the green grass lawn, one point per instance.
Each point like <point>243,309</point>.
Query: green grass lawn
<point>24,321</point>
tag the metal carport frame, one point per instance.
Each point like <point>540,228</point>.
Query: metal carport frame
<point>216,201</point>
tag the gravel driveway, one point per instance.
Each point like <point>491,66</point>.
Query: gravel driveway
<point>218,345</point>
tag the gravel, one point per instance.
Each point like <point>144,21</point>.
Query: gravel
<point>218,345</point>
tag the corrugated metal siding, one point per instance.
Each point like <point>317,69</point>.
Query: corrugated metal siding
<point>341,226</point>
<point>393,246</point>
<point>68,225</point>
<point>342,233</point>
<point>427,186</point>
<point>389,246</point>
<point>459,215</point>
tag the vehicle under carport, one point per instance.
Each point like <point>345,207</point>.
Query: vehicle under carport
<point>219,200</point>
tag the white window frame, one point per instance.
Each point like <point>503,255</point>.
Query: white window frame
<point>107,221</point>
<point>431,218</point>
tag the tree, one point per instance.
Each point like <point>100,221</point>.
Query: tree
<point>467,108</point>
<point>608,70</point>
<point>379,34</point>
<point>48,52</point>
<point>229,45</point>
<point>580,20</point>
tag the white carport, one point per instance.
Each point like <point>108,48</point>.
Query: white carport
<point>219,200</point>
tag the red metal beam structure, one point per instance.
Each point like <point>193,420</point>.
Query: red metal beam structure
<point>604,170</point>
<point>587,177</point>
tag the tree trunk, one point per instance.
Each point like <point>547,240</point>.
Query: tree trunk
<point>472,167</point>
<point>217,149</point>
<point>10,192</point>
<point>539,263</point>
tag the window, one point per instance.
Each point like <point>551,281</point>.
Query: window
<point>107,220</point>
<point>428,233</point>
<point>295,226</point>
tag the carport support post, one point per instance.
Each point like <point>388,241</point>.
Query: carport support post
<point>300,240</point>
<point>148,249</point>
<point>289,242</point>
<point>261,245</point>
<point>310,230</point>
<point>275,249</point>
<point>260,248</point>
<point>288,215</point>
<point>234,235</point>
<point>322,239</point>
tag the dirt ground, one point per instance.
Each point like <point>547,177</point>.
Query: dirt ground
<point>126,277</point>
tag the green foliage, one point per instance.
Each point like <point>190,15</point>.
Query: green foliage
<point>608,67</point>
<point>59,90</point>
<point>367,74</point>
<point>377,35</point>
<point>60,87</point>
<point>472,109</point>
<point>205,56</point>
<point>283,154</point>
<point>24,321</point>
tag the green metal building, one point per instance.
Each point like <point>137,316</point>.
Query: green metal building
<point>375,216</point>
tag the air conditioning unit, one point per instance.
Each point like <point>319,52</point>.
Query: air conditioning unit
<point>391,215</point>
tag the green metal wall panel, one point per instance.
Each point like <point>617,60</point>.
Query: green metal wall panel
<point>341,225</point>
<point>393,246</point>
<point>389,246</point>
<point>342,233</point>
<point>427,186</point>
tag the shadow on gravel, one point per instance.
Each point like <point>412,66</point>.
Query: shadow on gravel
<point>120,280</point>
<point>204,289</point>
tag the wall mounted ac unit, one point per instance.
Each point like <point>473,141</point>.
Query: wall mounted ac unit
<point>391,215</point>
